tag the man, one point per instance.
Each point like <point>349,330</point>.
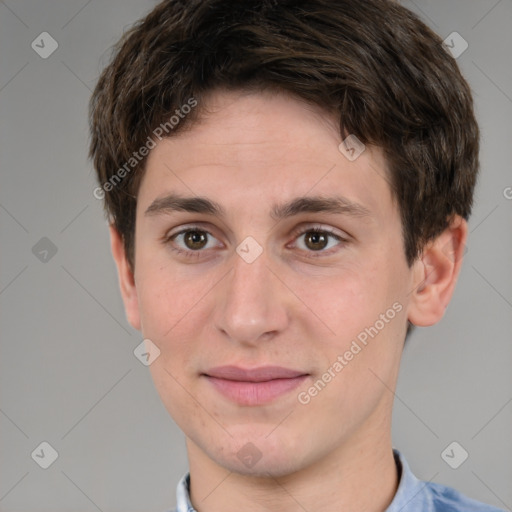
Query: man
<point>288,184</point>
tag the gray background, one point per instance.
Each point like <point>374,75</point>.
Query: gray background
<point>68,373</point>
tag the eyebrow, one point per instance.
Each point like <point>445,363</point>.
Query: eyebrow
<point>305,204</point>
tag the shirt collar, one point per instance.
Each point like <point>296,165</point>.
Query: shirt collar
<point>183,503</point>
<point>412,494</point>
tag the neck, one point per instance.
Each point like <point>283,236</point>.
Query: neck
<point>359,475</point>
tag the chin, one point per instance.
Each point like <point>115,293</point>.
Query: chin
<point>275,465</point>
<point>261,456</point>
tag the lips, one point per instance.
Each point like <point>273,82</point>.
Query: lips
<point>261,374</point>
<point>254,386</point>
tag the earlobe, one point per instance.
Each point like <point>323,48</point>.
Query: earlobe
<point>126,279</point>
<point>436,273</point>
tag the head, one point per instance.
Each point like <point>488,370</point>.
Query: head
<point>228,119</point>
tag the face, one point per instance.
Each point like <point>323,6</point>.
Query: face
<point>306,298</point>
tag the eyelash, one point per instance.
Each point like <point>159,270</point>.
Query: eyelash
<point>189,253</point>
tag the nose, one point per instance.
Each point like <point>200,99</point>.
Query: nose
<point>251,302</point>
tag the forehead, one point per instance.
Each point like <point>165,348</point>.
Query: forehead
<point>252,148</point>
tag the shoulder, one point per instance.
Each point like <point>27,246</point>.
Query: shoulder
<point>447,499</point>
<point>414,495</point>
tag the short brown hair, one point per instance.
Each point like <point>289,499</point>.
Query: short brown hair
<point>372,63</point>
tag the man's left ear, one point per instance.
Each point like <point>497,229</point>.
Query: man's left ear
<point>436,272</point>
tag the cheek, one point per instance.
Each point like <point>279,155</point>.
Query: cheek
<point>172,318</point>
<point>166,300</point>
<point>366,317</point>
<point>176,314</point>
<point>345,302</point>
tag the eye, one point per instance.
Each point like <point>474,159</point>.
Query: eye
<point>194,239</point>
<point>319,240</point>
<point>191,241</point>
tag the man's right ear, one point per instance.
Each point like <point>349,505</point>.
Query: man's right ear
<point>126,279</point>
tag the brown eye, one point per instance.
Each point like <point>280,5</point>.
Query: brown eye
<point>192,242</point>
<point>316,241</point>
<point>195,240</point>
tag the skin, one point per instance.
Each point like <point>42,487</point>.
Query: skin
<point>293,306</point>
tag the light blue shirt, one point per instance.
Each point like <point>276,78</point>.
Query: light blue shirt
<point>412,495</point>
